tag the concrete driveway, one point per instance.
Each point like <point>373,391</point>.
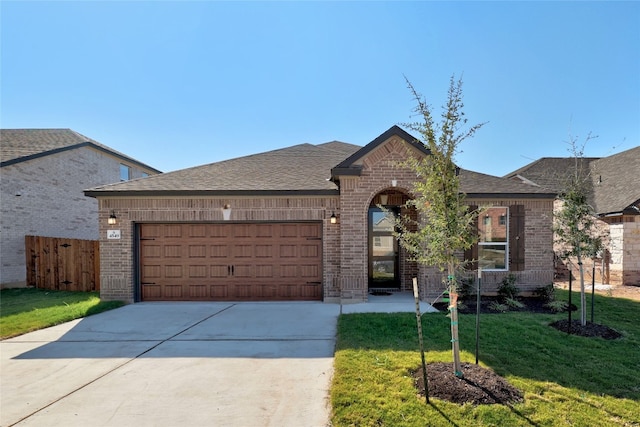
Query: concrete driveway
<point>170,364</point>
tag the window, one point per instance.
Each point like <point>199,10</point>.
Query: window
<point>144,174</point>
<point>125,173</point>
<point>493,244</point>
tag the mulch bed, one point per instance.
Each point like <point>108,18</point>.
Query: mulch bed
<point>590,330</point>
<point>468,306</point>
<point>479,386</point>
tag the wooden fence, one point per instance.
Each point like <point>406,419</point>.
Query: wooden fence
<point>62,264</point>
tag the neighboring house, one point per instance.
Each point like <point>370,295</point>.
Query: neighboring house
<point>614,193</point>
<point>44,173</point>
<point>304,224</point>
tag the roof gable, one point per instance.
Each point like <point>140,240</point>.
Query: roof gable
<point>20,145</point>
<point>352,165</point>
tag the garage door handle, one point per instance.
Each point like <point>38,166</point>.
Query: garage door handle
<point>314,283</point>
<point>148,283</point>
<point>232,270</point>
<point>314,238</point>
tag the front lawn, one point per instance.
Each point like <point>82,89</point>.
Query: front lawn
<point>27,309</point>
<point>566,380</point>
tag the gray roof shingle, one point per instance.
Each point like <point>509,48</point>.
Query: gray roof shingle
<point>19,145</point>
<point>616,182</point>
<point>300,168</point>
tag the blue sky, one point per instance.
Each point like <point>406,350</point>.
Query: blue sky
<point>180,84</point>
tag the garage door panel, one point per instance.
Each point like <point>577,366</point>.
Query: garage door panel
<point>198,292</point>
<point>198,272</point>
<point>253,261</point>
<point>173,271</point>
<point>151,291</point>
<point>219,251</point>
<point>197,251</point>
<point>172,251</point>
<point>219,271</point>
<point>172,291</point>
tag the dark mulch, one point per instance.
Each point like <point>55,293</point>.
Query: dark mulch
<point>590,330</point>
<point>479,386</point>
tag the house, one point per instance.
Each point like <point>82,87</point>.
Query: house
<point>302,223</point>
<point>614,193</point>
<point>44,173</point>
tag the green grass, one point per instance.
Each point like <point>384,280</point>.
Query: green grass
<point>27,309</point>
<point>566,380</point>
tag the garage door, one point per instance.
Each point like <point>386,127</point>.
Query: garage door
<point>231,262</point>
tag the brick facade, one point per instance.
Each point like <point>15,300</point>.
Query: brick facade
<point>44,197</point>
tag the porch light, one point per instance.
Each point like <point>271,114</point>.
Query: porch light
<point>226,212</point>
<point>334,218</point>
<point>112,218</point>
<point>394,182</point>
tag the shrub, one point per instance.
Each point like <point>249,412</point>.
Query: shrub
<point>546,293</point>
<point>498,306</point>
<point>508,289</point>
<point>557,306</point>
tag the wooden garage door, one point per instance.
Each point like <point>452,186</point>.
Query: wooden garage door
<point>231,262</point>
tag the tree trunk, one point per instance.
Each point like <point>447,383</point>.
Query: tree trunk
<point>453,311</point>
<point>583,298</point>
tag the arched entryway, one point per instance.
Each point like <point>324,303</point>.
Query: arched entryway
<point>388,267</point>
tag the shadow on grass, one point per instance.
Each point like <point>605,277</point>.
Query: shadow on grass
<point>520,344</point>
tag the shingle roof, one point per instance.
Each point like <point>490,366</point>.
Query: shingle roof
<point>616,181</point>
<point>476,185</point>
<point>301,168</point>
<point>551,173</point>
<point>20,145</point>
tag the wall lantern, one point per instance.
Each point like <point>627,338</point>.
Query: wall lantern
<point>394,182</point>
<point>226,212</point>
<point>334,218</point>
<point>112,218</point>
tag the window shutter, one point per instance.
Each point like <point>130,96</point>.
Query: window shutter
<point>516,238</point>
<point>472,252</point>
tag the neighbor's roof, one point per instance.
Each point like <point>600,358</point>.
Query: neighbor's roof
<point>616,182</point>
<point>303,168</point>
<point>19,145</point>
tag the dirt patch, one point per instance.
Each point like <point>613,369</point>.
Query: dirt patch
<point>629,292</point>
<point>479,386</point>
<point>590,330</point>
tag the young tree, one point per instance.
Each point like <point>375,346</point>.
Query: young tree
<point>445,225</point>
<point>575,222</point>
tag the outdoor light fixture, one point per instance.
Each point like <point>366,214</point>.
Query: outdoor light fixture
<point>112,218</point>
<point>394,182</point>
<point>226,212</point>
<point>334,218</point>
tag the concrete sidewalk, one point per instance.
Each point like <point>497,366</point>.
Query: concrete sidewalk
<point>168,364</point>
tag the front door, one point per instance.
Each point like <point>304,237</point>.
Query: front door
<point>383,249</point>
